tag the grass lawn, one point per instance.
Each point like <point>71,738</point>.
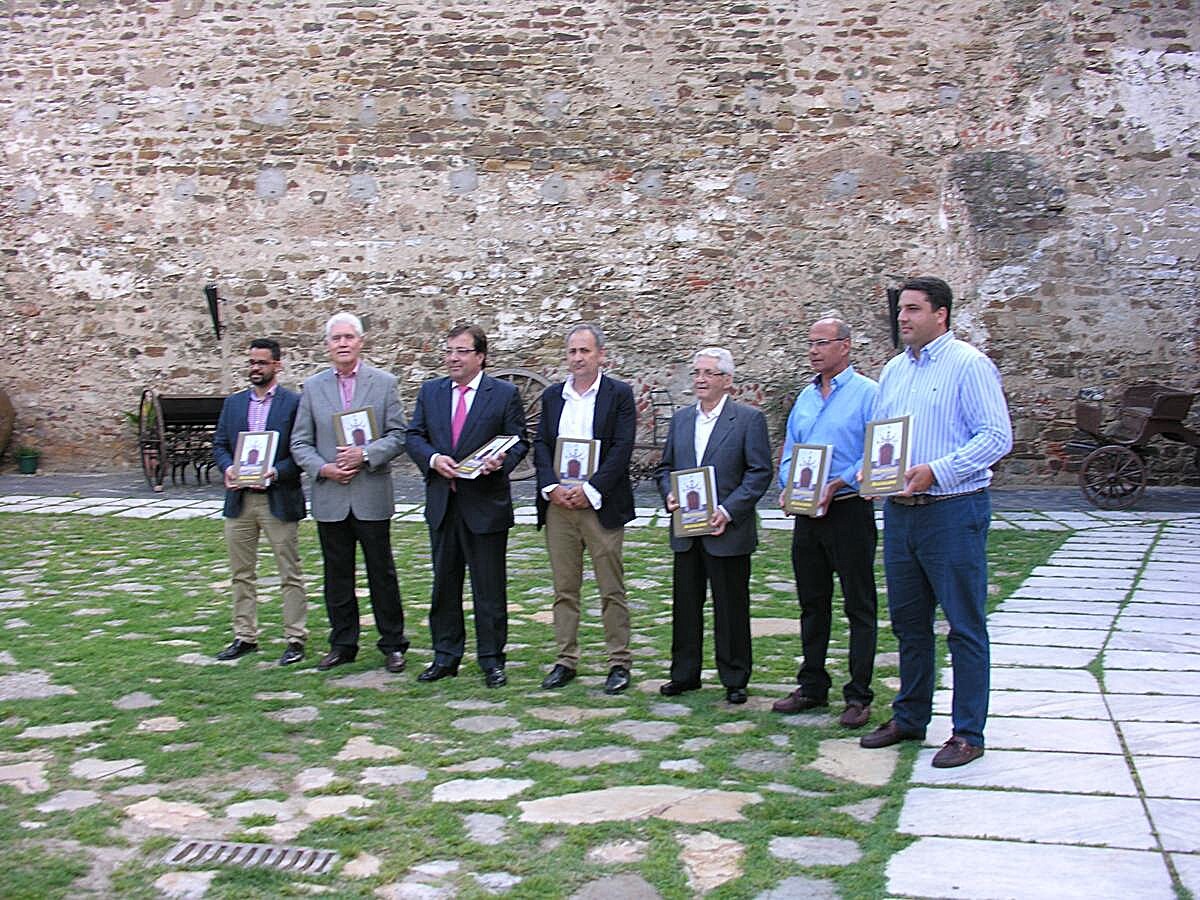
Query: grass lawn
<point>112,607</point>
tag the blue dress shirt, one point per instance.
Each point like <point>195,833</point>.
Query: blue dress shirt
<point>839,420</point>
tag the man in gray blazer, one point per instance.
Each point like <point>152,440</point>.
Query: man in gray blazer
<point>732,438</point>
<point>352,490</point>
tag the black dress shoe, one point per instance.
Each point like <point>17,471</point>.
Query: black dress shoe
<point>617,681</point>
<point>394,662</point>
<point>436,671</point>
<point>675,688</point>
<point>293,654</point>
<point>336,657</point>
<point>495,677</point>
<point>236,649</point>
<point>735,695</point>
<point>557,677</point>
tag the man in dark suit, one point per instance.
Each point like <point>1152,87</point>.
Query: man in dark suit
<point>273,510</point>
<point>352,491</point>
<point>590,513</point>
<point>468,519</point>
<point>732,438</point>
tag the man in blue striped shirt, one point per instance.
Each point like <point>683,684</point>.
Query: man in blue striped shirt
<point>833,410</point>
<point>935,531</point>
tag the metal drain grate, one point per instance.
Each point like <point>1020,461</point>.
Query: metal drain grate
<point>189,852</point>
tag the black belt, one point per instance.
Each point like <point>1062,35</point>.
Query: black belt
<point>926,499</point>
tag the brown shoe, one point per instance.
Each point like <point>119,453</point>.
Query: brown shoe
<point>797,702</point>
<point>887,734</point>
<point>956,752</point>
<point>855,715</point>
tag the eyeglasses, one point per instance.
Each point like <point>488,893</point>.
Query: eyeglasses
<point>823,342</point>
<point>707,373</point>
<point>459,351</point>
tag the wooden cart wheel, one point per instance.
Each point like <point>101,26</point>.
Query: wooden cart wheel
<point>151,440</point>
<point>530,386</point>
<point>1112,477</point>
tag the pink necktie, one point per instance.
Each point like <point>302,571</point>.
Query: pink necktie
<point>460,414</point>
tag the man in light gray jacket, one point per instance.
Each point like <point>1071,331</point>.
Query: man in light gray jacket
<point>351,482</point>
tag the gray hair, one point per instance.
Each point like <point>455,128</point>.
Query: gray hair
<point>344,318</point>
<point>723,357</point>
<point>843,327</point>
<point>593,330</point>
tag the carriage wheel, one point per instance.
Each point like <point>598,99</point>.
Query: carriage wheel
<point>1112,477</point>
<point>530,386</point>
<point>151,441</point>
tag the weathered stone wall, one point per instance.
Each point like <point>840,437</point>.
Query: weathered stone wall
<point>682,172</point>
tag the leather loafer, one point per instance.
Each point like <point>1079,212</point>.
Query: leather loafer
<point>436,671</point>
<point>617,681</point>
<point>394,662</point>
<point>293,654</point>
<point>335,657</point>
<point>735,695</point>
<point>956,752</point>
<point>236,649</point>
<point>557,677</point>
<point>796,702</point>
<point>887,734</point>
<point>855,716</point>
<point>675,688</point>
<point>495,677</point>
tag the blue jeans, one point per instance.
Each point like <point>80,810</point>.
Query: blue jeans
<point>936,555</point>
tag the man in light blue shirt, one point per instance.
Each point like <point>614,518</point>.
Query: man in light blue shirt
<point>935,530</point>
<point>833,410</point>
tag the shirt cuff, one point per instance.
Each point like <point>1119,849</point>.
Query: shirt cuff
<point>722,508</point>
<point>593,496</point>
<point>548,490</point>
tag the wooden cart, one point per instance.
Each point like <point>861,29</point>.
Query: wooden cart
<point>175,434</point>
<point>1113,472</point>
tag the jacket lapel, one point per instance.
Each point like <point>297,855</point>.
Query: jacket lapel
<point>687,438</point>
<point>604,397</point>
<point>721,429</point>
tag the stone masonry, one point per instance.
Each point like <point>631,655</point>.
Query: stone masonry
<point>682,172</point>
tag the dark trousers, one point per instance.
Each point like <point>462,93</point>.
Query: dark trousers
<point>933,556</point>
<point>338,540</point>
<point>455,549</point>
<point>841,541</point>
<point>729,576</point>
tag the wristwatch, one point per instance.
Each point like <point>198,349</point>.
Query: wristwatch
<point>366,462</point>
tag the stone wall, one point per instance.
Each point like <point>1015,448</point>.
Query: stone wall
<point>682,172</point>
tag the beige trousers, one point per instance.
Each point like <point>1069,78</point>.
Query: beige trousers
<point>241,538</point>
<point>568,533</point>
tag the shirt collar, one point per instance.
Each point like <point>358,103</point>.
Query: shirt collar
<point>352,374</point>
<point>569,388</point>
<point>933,348</point>
<point>716,412</point>
<point>838,380</point>
<point>473,384</point>
<point>265,397</point>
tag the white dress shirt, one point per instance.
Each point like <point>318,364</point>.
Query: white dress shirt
<point>575,421</point>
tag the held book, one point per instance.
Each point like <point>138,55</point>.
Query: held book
<point>575,459</point>
<point>807,478</point>
<point>254,456</point>
<point>696,492</point>
<point>355,427</point>
<point>885,456</point>
<point>472,466</point>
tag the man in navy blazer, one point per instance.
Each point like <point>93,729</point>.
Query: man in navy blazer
<point>732,438</point>
<point>590,513</point>
<point>352,498</point>
<point>468,519</point>
<point>265,406</point>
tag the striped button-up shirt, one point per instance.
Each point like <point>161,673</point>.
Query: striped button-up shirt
<point>260,408</point>
<point>960,422</point>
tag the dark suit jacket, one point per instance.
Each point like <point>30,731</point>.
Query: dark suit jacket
<point>614,424</point>
<point>740,452</point>
<point>284,496</point>
<point>485,503</point>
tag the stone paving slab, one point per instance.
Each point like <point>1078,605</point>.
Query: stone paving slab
<point>1120,681</point>
<point>1087,639</point>
<point>1154,708</point>
<point>1038,704</point>
<point>1038,679</point>
<point>1177,823</point>
<point>1170,776</point>
<point>1015,733</point>
<point>1001,870</point>
<point>1047,818</point>
<point>1027,655</point>
<point>1161,738</point>
<point>1148,660</point>
<point>1035,770</point>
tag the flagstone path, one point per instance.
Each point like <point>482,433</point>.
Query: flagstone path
<point>1089,786</point>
